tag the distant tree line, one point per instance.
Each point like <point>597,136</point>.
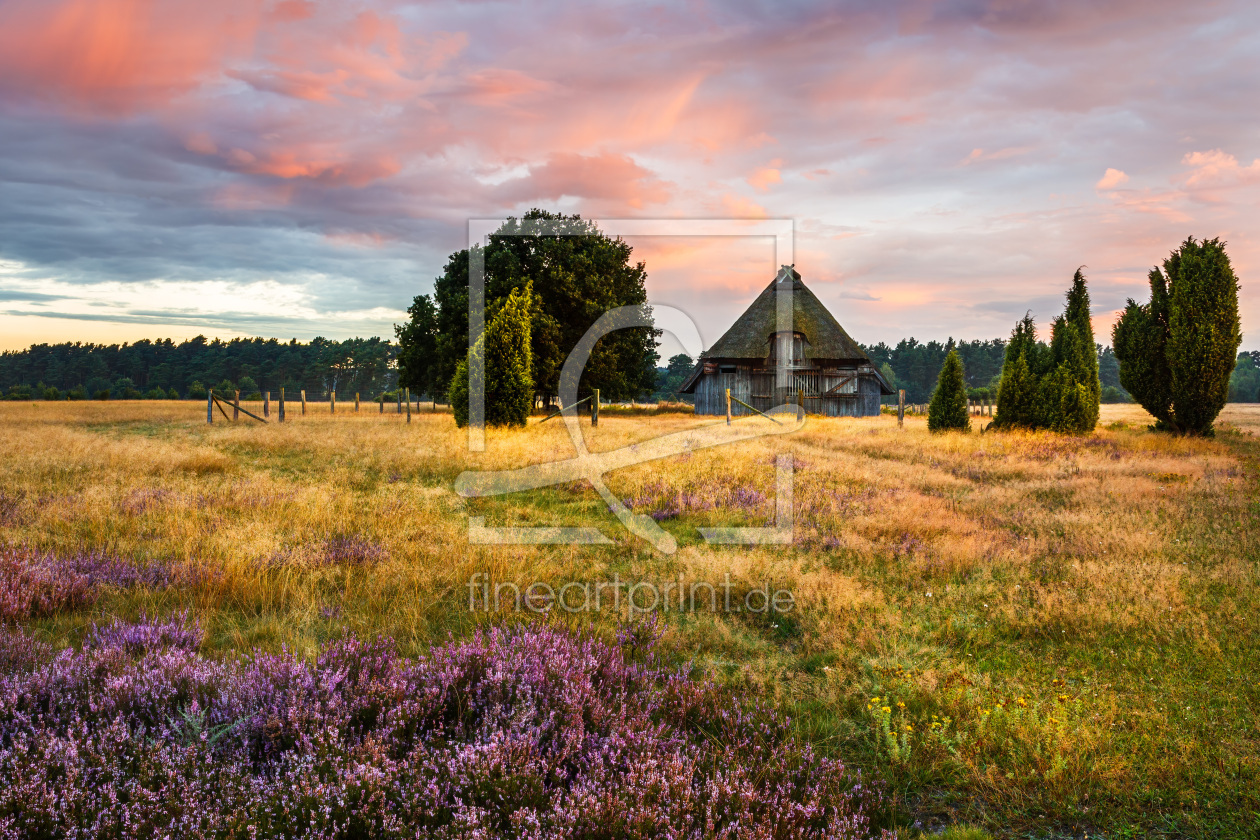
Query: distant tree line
<point>163,369</point>
<point>914,366</point>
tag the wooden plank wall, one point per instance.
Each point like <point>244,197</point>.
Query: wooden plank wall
<point>859,393</point>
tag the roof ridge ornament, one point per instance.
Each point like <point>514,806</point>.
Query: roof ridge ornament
<point>786,272</point>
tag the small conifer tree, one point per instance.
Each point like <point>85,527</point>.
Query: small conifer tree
<point>948,409</point>
<point>1017,389</point>
<point>505,347</point>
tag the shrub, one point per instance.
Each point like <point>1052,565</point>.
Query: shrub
<point>78,392</point>
<point>1111,394</point>
<point>196,391</point>
<point>155,394</point>
<point>948,409</point>
<point>124,389</point>
<point>1176,353</point>
<point>172,394</point>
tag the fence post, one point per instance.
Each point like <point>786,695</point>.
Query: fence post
<point>266,403</point>
<point>399,395</point>
<point>303,402</point>
<point>595,408</point>
<point>210,406</point>
<point>280,407</point>
<point>728,406</point>
<point>800,402</point>
<point>901,409</point>
<point>382,402</point>
<point>332,402</point>
<point>236,406</point>
<point>408,390</point>
<point>356,402</point>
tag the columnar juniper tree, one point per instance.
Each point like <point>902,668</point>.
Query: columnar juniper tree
<point>1053,387</point>
<point>1072,391</point>
<point>1176,353</point>
<point>948,409</point>
<point>504,346</point>
<point>1017,391</point>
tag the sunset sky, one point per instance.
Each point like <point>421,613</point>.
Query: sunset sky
<point>299,168</point>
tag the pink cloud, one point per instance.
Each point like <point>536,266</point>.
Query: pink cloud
<point>354,172</point>
<point>738,207</point>
<point>1111,179</point>
<point>764,178</point>
<point>118,56</point>
<point>605,176</point>
<point>1218,169</point>
<point>978,155</point>
<point>289,11</point>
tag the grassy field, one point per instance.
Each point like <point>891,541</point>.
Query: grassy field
<point>1040,635</point>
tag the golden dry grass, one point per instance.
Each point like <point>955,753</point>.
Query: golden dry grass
<point>1070,622</point>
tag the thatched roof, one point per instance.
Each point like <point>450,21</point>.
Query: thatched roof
<point>749,337</point>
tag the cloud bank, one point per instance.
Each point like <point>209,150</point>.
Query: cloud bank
<point>295,168</point>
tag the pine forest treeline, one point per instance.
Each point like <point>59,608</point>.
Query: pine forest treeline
<point>145,368</point>
<point>366,365</point>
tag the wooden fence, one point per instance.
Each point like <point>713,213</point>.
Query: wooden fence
<point>981,408</point>
<point>230,406</point>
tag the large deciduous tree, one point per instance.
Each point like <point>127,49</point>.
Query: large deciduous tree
<point>576,274</point>
<point>1177,351</point>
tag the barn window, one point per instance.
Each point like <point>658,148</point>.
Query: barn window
<point>727,369</point>
<point>789,347</point>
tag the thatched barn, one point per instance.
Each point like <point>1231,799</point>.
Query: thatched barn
<point>787,343</point>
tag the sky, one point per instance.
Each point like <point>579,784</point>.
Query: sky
<point>291,168</point>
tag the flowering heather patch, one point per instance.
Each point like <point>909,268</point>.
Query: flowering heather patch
<point>136,638</point>
<point>10,507</point>
<point>33,584</point>
<point>664,502</point>
<point>145,499</point>
<point>19,651</point>
<point>527,733</point>
<point>351,549</point>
